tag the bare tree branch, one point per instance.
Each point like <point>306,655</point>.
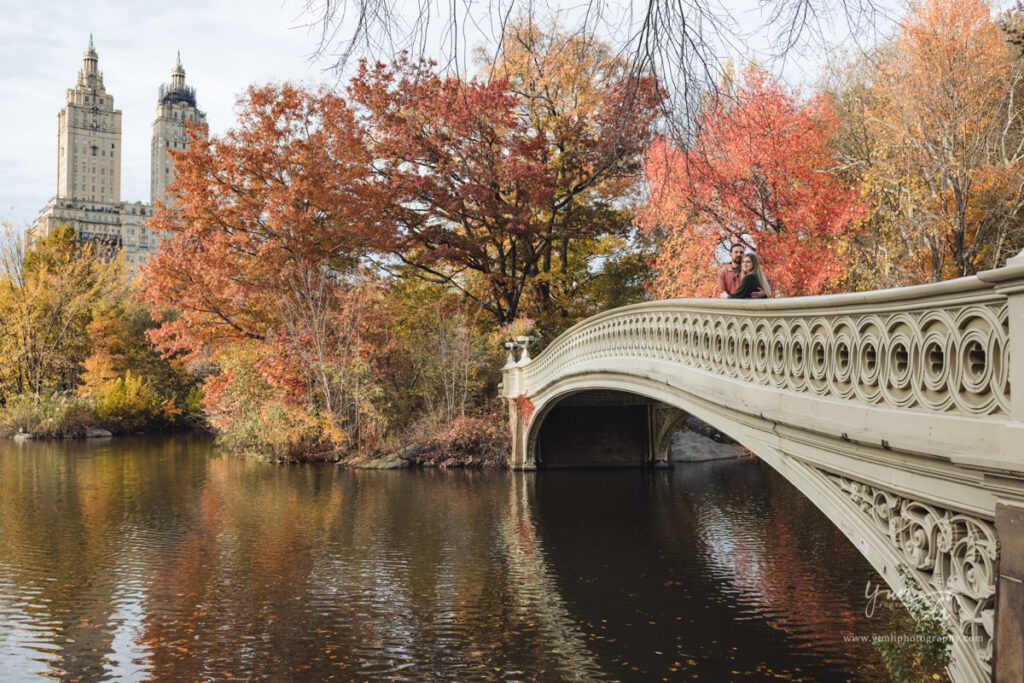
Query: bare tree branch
<point>684,43</point>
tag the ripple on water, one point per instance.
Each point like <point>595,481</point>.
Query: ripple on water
<point>152,559</point>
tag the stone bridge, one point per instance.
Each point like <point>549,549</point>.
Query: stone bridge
<point>891,410</point>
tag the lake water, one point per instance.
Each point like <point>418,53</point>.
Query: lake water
<point>163,559</point>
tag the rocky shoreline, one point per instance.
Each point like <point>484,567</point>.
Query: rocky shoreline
<point>89,433</point>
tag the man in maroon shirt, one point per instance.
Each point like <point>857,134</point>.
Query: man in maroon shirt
<point>729,276</point>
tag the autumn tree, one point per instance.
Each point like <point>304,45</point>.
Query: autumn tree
<point>49,289</point>
<point>441,361</point>
<point>511,185</point>
<point>132,384</point>
<point>932,132</point>
<point>269,226</point>
<point>757,171</point>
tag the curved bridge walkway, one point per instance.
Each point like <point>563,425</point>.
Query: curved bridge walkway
<point>891,410</point>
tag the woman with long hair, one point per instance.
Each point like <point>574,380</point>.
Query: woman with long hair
<point>753,279</point>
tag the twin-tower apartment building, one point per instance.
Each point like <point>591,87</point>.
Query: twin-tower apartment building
<point>88,196</point>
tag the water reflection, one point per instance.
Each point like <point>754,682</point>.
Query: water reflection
<point>160,559</point>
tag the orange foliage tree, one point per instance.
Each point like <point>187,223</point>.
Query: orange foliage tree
<point>268,226</point>
<point>757,171</point>
<point>506,184</point>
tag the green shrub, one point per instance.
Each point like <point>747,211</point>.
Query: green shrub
<point>919,645</point>
<point>129,403</point>
<point>48,416</point>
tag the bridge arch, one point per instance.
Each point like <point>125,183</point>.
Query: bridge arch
<point>660,414</point>
<point>892,411</point>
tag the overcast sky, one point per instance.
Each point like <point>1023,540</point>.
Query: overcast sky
<point>225,45</point>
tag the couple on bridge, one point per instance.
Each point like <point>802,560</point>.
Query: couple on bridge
<point>743,277</point>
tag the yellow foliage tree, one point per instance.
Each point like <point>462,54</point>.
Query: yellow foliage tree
<point>564,81</point>
<point>48,292</point>
<point>107,361</point>
<point>932,133</point>
<point>129,403</point>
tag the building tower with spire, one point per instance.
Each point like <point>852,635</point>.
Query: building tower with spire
<point>175,110</point>
<point>89,138</point>
<point>88,194</point>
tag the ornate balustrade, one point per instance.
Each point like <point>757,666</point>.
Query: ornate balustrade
<point>941,348</point>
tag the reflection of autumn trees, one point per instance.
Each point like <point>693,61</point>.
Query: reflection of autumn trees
<point>784,570</point>
<point>162,560</point>
<point>322,571</point>
<point>213,605</point>
<point>68,535</point>
<point>718,566</point>
<point>232,566</point>
<point>778,564</point>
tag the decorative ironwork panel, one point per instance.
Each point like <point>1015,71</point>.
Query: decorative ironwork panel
<point>953,554</point>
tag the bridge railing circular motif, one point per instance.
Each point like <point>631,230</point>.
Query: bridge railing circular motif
<point>946,353</point>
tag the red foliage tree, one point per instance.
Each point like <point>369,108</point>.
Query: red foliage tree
<point>758,171</point>
<point>494,193</point>
<point>259,215</point>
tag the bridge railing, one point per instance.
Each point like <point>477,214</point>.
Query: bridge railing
<point>941,348</point>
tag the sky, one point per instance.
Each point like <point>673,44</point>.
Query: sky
<point>225,46</point>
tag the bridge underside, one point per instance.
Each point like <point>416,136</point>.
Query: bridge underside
<point>595,429</point>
